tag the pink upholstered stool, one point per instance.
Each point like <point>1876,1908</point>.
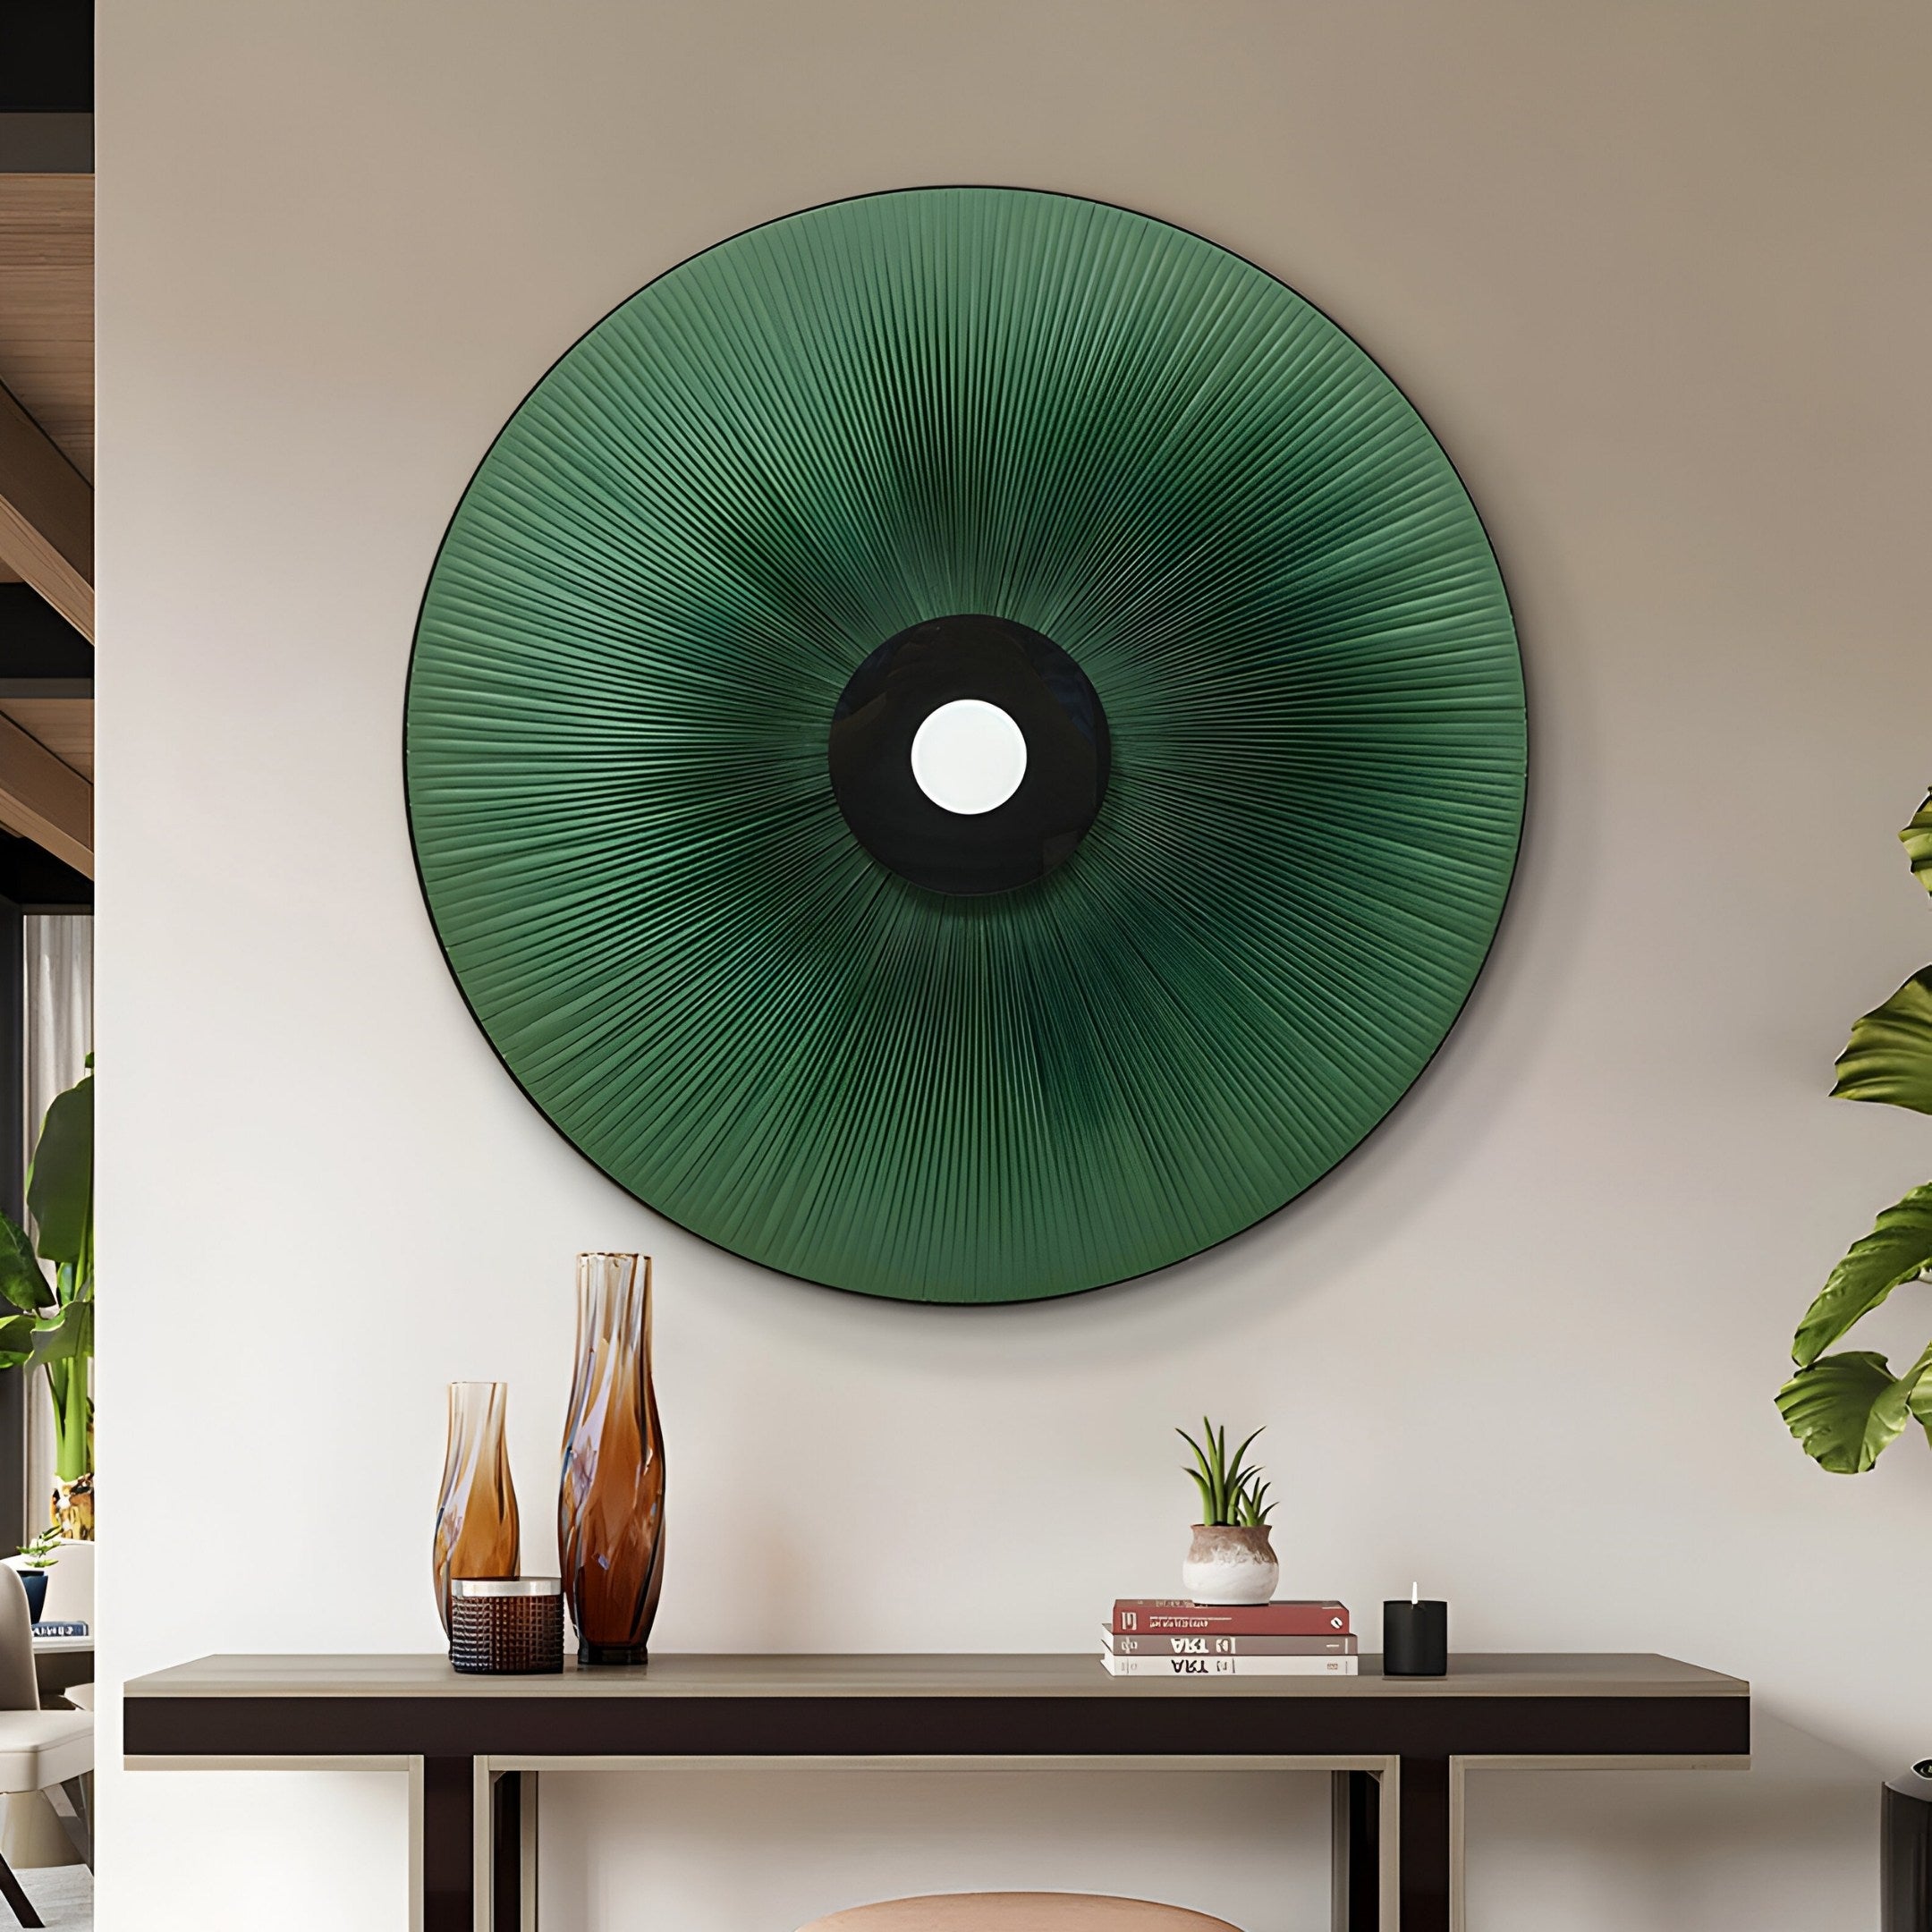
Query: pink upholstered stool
<point>1018,1911</point>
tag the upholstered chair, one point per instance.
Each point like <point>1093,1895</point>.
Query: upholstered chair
<point>1018,1911</point>
<point>38,1748</point>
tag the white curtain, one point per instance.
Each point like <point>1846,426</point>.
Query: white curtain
<point>59,1035</point>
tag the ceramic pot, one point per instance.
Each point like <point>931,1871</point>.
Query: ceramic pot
<point>1228,1565</point>
<point>34,1582</point>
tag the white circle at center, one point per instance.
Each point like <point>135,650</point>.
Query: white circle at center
<point>969,756</point>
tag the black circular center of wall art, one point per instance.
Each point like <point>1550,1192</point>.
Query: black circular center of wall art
<point>1026,754</point>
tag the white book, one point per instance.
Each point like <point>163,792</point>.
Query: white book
<point>1229,1666</point>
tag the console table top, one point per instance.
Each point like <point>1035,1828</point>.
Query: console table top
<point>688,1675</point>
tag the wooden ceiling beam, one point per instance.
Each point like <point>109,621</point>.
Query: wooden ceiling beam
<point>44,799</point>
<point>46,519</point>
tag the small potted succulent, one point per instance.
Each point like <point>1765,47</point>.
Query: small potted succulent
<point>1230,1560</point>
<point>36,1559</point>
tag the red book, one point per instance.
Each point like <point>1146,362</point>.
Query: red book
<point>1169,1616</point>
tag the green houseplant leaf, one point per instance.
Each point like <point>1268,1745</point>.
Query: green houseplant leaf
<point>1917,839</point>
<point>54,1330</point>
<point>1205,1478</point>
<point>1846,1409</point>
<point>16,1340</point>
<point>60,1185</point>
<point>1253,1506</point>
<point>1224,1483</point>
<point>1899,1249</point>
<point>22,1280</point>
<point>66,1336</point>
<point>1889,1055</point>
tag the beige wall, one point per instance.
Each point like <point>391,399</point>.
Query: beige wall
<point>1656,274</point>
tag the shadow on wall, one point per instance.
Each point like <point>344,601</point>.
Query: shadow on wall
<point>1792,1843</point>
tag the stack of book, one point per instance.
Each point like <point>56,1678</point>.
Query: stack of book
<point>1161,1637</point>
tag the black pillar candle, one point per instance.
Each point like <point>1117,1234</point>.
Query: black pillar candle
<point>1415,1638</point>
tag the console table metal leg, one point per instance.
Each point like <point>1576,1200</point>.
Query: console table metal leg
<point>1424,1826</point>
<point>1355,1856</point>
<point>513,1892</point>
<point>444,1791</point>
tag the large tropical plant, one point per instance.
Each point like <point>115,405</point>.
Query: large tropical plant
<point>51,1327</point>
<point>1846,1409</point>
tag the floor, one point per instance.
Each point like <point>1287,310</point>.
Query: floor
<point>63,1894</point>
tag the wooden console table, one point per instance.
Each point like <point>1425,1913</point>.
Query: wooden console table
<point>1398,1749</point>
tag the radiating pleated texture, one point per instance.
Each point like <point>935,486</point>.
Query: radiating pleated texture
<point>789,449</point>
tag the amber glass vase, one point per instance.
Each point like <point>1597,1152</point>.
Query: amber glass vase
<point>610,1501</point>
<point>476,1525</point>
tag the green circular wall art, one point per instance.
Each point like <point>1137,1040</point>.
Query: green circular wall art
<point>1015,453</point>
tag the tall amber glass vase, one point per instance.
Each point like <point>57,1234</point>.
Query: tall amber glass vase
<point>610,1501</point>
<point>476,1526</point>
